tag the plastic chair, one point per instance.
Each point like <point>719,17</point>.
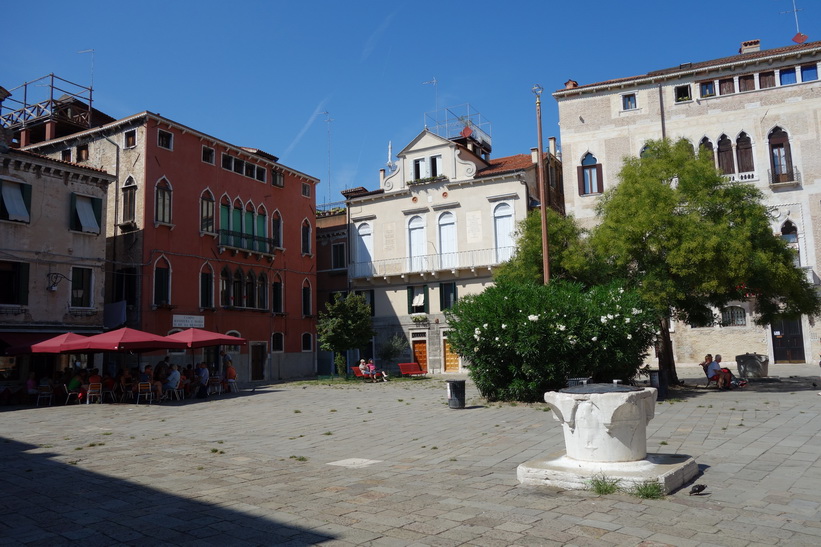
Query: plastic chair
<point>146,391</point>
<point>44,393</point>
<point>111,393</point>
<point>215,385</point>
<point>69,393</point>
<point>95,390</point>
<point>233,386</point>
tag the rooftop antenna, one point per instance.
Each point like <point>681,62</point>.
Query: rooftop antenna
<point>799,38</point>
<point>435,92</point>
<point>328,120</point>
<point>92,64</point>
<point>391,164</point>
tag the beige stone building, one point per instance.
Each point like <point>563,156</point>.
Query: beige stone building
<point>758,112</point>
<point>442,219</point>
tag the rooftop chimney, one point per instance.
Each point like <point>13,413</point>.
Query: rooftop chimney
<point>571,84</point>
<point>750,46</point>
<point>534,154</point>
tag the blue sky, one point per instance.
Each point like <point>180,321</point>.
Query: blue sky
<point>261,73</point>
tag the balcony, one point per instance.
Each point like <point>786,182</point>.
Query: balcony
<point>432,264</point>
<point>248,243</point>
<point>784,179</point>
<point>749,176</point>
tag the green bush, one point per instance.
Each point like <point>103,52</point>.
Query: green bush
<point>521,340</point>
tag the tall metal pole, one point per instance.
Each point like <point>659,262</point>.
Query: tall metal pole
<point>537,90</point>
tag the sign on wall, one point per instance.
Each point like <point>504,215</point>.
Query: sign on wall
<point>188,321</point>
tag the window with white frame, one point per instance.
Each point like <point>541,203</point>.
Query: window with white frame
<point>307,341</point>
<point>682,93</point>
<point>162,283</point>
<point>628,101</point>
<point>207,213</point>
<point>206,287</point>
<point>165,139</point>
<point>82,153</point>
<point>130,139</point>
<point>86,214</point>
<point>448,252</point>
<point>306,190</point>
<point>503,227</point>
<point>590,176</point>
<point>276,230</point>
<point>277,296</point>
<point>162,202</point>
<point>707,89</point>
<point>307,308</point>
<point>417,258</point>
<point>208,155</point>
<point>789,234</point>
<point>338,256</point>
<point>277,178</point>
<point>780,156</point>
<point>418,299</point>
<point>129,200</point>
<point>15,201</point>
<point>278,342</point>
<point>306,237</point>
<point>733,316</point>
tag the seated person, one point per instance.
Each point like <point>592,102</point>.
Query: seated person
<point>366,371</point>
<point>172,381</point>
<point>230,376</point>
<point>376,374</point>
<point>94,377</point>
<point>722,376</point>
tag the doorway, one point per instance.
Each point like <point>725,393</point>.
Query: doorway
<point>788,341</point>
<point>419,347</point>
<point>257,361</point>
<point>451,359</point>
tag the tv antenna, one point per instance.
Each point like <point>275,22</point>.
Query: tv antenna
<point>799,37</point>
<point>328,120</point>
<point>391,164</point>
<point>435,85</point>
<point>92,64</point>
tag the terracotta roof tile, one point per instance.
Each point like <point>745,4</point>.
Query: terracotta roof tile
<point>506,164</point>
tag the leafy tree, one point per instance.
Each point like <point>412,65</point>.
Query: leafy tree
<point>345,324</point>
<point>392,348</point>
<point>571,256</point>
<point>524,339</point>
<point>689,240</point>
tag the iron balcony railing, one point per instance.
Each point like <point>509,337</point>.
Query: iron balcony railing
<point>246,242</point>
<point>792,176</point>
<point>462,260</point>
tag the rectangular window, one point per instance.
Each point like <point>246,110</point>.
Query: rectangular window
<point>591,180</point>
<point>766,79</point>
<point>239,166</point>
<point>435,166</point>
<point>420,169</point>
<point>65,155</point>
<point>726,86</point>
<point>306,190</point>
<point>14,283</point>
<point>628,102</point>
<point>306,301</point>
<point>418,299</point>
<point>787,76</point>
<point>208,155</point>
<point>746,82</point>
<point>207,216</point>
<point>338,256</point>
<point>276,232</point>
<point>86,212</point>
<point>307,342</point>
<point>682,93</point>
<point>707,89</point>
<point>809,73</point>
<point>278,342</point>
<point>81,289</point>
<point>130,139</point>
<point>227,162</point>
<point>277,178</point>
<point>15,201</point>
<point>82,153</point>
<point>260,174</point>
<point>165,139</point>
<point>447,295</point>
<point>206,289</point>
<point>276,297</point>
<point>162,278</point>
<point>163,210</point>
<point>250,170</point>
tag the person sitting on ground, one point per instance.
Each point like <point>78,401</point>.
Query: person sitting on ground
<point>722,376</point>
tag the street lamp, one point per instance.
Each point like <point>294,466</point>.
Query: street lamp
<point>537,90</point>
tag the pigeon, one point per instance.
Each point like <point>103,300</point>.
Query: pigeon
<point>697,489</point>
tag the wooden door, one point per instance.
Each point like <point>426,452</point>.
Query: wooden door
<point>451,359</point>
<point>257,361</point>
<point>420,353</point>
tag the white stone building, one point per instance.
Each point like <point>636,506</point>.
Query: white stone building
<point>441,221</point>
<point>759,112</point>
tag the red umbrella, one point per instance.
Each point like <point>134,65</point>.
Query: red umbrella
<point>123,339</point>
<point>56,344</point>
<point>198,338</point>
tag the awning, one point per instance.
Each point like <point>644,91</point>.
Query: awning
<point>15,343</point>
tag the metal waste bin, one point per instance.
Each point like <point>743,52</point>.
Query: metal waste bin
<point>658,380</point>
<point>456,393</point>
<point>753,365</point>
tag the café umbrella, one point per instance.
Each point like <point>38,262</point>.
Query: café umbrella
<point>199,338</point>
<point>121,340</point>
<point>56,344</point>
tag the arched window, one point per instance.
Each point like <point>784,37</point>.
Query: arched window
<point>706,147</point>
<point>278,342</point>
<point>448,256</point>
<point>250,290</point>
<point>307,341</point>
<point>417,259</point>
<point>129,200</point>
<point>276,229</point>
<point>789,233</point>
<point>725,156</point>
<point>261,231</point>
<point>206,286</point>
<point>236,224</point>
<point>236,290</point>
<point>162,282</point>
<point>744,153</point>
<point>162,201</point>
<point>248,227</point>
<point>780,156</point>
<point>276,295</point>
<point>364,251</point>
<point>590,176</point>
<point>503,231</point>
<point>307,309</point>
<point>225,221</point>
<point>225,289</point>
<point>733,316</point>
<point>306,237</point>
<point>207,212</point>
<point>262,292</point>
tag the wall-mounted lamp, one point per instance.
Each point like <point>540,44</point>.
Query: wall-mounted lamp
<point>54,279</point>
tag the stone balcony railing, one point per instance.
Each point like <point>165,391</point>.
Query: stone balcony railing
<point>433,263</point>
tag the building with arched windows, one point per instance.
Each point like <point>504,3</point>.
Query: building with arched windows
<point>442,220</point>
<point>757,114</point>
<point>203,233</point>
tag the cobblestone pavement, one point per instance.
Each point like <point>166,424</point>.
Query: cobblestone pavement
<point>391,464</point>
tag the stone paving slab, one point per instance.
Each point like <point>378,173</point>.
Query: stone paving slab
<point>390,464</point>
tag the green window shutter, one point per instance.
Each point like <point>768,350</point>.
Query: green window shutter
<point>443,301</point>
<point>97,207</point>
<point>373,303</point>
<point>25,189</point>
<point>24,283</point>
<point>225,224</point>
<point>410,300</point>
<point>427,304</point>
<point>73,220</point>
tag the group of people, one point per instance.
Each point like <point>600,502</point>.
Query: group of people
<point>715,372</point>
<point>369,370</point>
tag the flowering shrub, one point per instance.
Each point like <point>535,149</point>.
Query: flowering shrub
<point>523,340</point>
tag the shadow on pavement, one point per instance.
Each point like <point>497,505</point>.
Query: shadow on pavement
<point>47,502</point>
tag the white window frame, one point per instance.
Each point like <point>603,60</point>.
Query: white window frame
<point>213,155</point>
<point>85,213</point>
<point>170,146</point>
<point>133,132</point>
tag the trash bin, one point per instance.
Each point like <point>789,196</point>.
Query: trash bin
<point>456,393</point>
<point>659,381</point>
<point>752,365</point>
